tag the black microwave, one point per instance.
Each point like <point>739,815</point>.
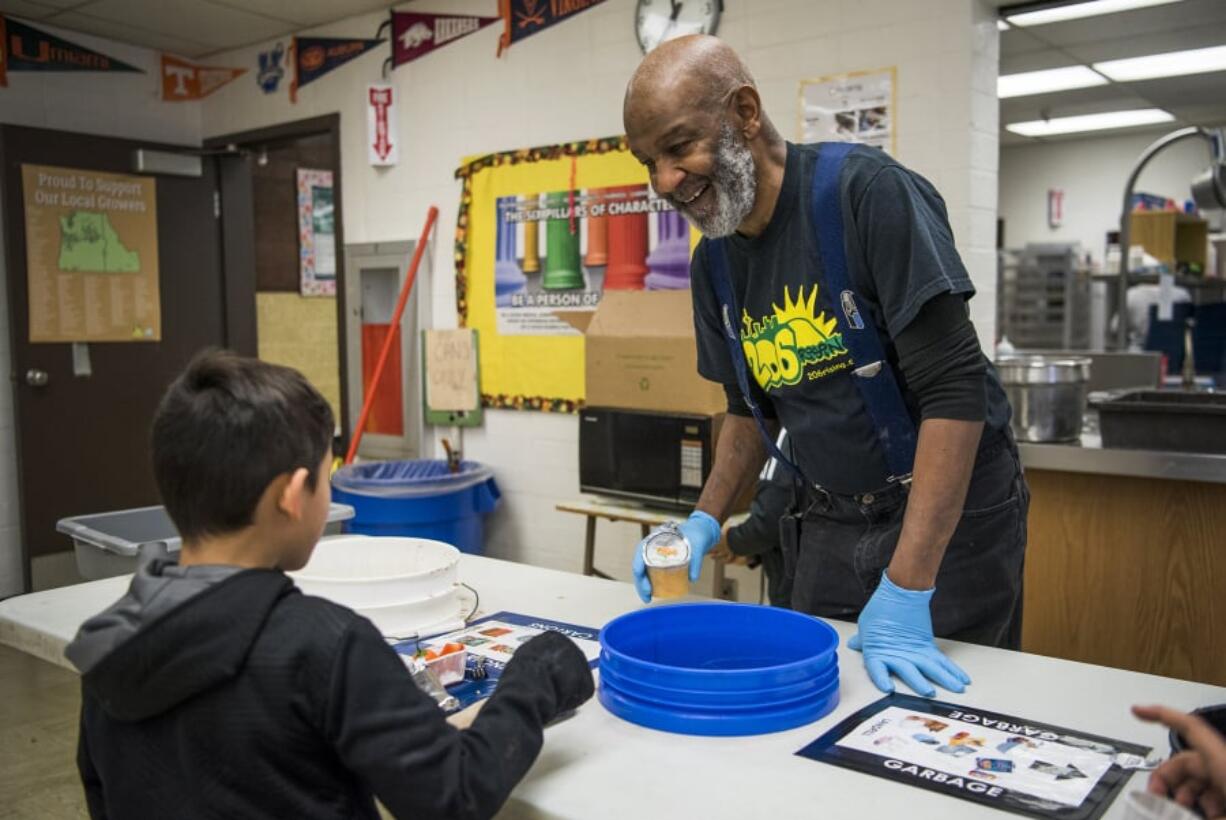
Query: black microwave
<point>662,459</point>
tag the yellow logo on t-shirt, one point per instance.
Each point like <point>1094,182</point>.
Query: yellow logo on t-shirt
<point>780,347</point>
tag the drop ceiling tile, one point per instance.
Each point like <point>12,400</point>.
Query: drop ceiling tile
<point>1036,61</point>
<point>1210,34</point>
<point>1155,21</point>
<point>78,21</point>
<point>26,9</point>
<point>1072,103</point>
<point>1020,41</point>
<point>305,13</point>
<point>58,5</point>
<point>218,26</point>
<point>1193,89</point>
<point>1206,114</point>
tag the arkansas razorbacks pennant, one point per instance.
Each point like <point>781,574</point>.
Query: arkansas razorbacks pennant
<point>416,34</point>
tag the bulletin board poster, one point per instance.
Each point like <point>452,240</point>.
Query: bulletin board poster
<point>1009,763</point>
<point>547,230</point>
<point>91,256</point>
<point>860,106</point>
<point>316,233</point>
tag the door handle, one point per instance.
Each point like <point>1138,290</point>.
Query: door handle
<point>37,378</point>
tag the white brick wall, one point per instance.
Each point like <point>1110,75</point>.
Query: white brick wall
<point>116,105</point>
<point>567,83</point>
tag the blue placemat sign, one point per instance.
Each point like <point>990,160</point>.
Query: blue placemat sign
<point>1001,761</point>
<point>492,642</point>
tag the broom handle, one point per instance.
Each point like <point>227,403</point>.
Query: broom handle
<point>373,387</point>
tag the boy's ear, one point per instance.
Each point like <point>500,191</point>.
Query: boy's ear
<point>292,497</point>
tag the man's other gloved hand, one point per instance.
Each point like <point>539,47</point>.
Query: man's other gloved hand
<point>896,638</point>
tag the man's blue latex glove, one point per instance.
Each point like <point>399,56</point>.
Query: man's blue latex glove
<point>896,637</point>
<point>701,530</point>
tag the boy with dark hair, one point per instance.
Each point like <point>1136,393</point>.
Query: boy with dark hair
<point>214,688</point>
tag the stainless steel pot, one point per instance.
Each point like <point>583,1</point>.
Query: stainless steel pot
<point>1048,394</point>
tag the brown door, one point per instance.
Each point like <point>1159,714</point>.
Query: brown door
<point>82,441</point>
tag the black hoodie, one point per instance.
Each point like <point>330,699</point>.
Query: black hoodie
<point>250,699</point>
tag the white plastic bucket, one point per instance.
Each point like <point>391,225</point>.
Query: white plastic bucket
<point>364,572</point>
<point>442,612</point>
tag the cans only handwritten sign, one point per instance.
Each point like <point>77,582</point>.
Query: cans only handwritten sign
<point>451,370</point>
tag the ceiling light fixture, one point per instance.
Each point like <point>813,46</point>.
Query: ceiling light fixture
<point>1047,81</point>
<point>1076,11</point>
<point>1090,122</point>
<point>1170,64</point>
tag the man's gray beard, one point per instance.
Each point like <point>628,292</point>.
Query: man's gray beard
<point>735,184</point>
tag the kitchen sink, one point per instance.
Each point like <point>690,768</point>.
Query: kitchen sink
<point>1190,421</point>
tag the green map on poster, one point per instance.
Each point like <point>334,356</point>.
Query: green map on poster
<point>90,244</point>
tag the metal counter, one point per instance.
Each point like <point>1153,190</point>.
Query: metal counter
<point>1089,456</point>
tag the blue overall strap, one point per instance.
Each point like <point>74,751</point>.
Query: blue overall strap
<point>721,283</point>
<point>873,375</point>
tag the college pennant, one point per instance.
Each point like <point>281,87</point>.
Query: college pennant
<point>182,80</point>
<point>25,48</point>
<point>316,56</point>
<point>523,18</point>
<point>416,34</point>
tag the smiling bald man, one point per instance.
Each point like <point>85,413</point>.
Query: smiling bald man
<point>829,297</point>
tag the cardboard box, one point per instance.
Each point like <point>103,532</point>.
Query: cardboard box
<point>641,354</point>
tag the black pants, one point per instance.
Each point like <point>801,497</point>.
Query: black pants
<point>835,548</point>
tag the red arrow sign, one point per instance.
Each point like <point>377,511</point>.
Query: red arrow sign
<point>381,99</point>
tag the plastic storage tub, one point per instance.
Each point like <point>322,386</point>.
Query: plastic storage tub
<point>110,543</point>
<point>419,498</point>
<point>719,669</point>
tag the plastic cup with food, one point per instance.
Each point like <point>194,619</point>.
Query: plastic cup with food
<point>666,554</point>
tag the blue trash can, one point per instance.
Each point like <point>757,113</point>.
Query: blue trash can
<point>419,498</point>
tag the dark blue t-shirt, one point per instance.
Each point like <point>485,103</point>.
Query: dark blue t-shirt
<point>900,253</point>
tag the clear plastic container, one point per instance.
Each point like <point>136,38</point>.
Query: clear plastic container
<point>667,556</point>
<point>449,667</point>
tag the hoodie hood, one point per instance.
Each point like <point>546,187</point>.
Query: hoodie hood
<point>178,632</point>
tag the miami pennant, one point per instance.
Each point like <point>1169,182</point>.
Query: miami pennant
<point>25,48</point>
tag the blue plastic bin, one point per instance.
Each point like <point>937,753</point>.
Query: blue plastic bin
<point>419,498</point>
<point>718,669</point>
